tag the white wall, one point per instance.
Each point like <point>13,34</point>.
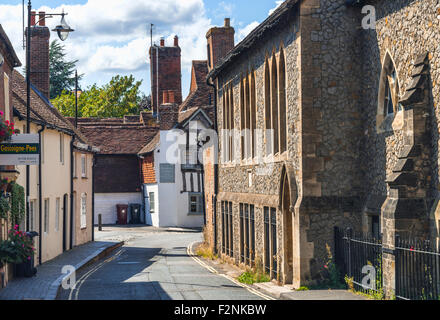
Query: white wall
<point>105,204</point>
<point>173,205</point>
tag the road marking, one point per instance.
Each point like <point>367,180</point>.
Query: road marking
<point>81,280</point>
<point>212,270</point>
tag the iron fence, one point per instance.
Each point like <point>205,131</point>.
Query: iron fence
<point>359,258</point>
<point>417,270</point>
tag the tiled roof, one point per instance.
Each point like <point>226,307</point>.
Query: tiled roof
<point>200,91</point>
<point>151,145</point>
<point>42,111</point>
<point>117,138</point>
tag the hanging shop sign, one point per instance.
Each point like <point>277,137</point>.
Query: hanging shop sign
<point>21,149</point>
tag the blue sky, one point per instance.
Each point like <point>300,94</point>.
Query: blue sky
<point>111,36</point>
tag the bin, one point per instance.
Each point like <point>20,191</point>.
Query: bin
<point>135,210</point>
<point>122,210</point>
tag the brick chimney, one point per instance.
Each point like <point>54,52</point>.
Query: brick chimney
<point>220,42</point>
<point>169,113</point>
<point>40,35</point>
<point>165,64</point>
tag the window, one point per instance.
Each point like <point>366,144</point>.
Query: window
<point>227,229</point>
<point>83,166</point>
<point>247,234</point>
<point>275,104</point>
<point>74,165</point>
<point>57,213</point>
<point>83,211</point>
<point>375,226</point>
<point>46,215</point>
<point>152,202</point>
<point>228,124</point>
<point>282,103</point>
<point>248,115</point>
<point>388,101</point>
<point>7,99</point>
<point>195,203</point>
<point>61,148</point>
<point>32,210</point>
<point>270,241</point>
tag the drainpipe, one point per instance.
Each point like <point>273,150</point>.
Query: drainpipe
<point>214,200</point>
<point>93,196</point>
<point>40,195</point>
<point>71,193</point>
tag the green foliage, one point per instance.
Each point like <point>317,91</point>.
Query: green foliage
<point>17,249</point>
<point>18,205</point>
<point>303,288</point>
<point>4,208</point>
<point>62,72</point>
<point>119,97</point>
<point>331,273</point>
<point>255,275</point>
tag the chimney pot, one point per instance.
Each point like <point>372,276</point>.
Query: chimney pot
<point>165,97</point>
<point>171,98</point>
<point>227,22</point>
<point>33,16</point>
<point>176,41</point>
<point>162,42</point>
<point>42,18</point>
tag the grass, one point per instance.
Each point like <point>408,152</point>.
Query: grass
<point>205,251</point>
<point>251,277</point>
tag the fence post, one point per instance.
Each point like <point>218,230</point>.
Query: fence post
<point>100,222</point>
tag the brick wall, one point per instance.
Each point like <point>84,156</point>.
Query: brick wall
<point>166,74</point>
<point>148,173</point>
<point>40,59</point>
<point>117,173</point>
<point>220,42</point>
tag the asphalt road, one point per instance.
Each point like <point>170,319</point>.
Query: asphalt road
<point>152,265</point>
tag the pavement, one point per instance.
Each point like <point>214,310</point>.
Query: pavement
<point>153,264</point>
<point>272,289</point>
<point>46,283</point>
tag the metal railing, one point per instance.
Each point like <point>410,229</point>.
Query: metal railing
<point>358,257</point>
<point>417,270</point>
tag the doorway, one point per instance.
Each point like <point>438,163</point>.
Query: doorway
<point>65,222</point>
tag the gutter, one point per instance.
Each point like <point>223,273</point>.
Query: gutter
<point>40,195</point>
<point>214,198</point>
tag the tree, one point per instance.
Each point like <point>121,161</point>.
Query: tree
<point>119,97</point>
<point>62,72</point>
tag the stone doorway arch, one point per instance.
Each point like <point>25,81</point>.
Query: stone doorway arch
<point>288,197</point>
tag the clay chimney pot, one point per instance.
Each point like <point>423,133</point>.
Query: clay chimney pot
<point>33,17</point>
<point>42,18</point>
<point>162,42</point>
<point>227,22</point>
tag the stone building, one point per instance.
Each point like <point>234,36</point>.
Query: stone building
<point>326,123</point>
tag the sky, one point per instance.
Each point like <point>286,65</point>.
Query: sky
<point>113,36</point>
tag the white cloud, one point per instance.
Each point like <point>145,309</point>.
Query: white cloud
<point>112,36</point>
<point>243,32</point>
<point>278,3</point>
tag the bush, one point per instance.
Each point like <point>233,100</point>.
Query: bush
<point>17,249</point>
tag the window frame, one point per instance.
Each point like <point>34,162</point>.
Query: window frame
<point>83,166</point>
<point>46,215</point>
<point>199,203</point>
<point>57,214</point>
<point>83,211</point>
<point>152,207</point>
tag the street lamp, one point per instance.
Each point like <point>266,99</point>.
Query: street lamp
<point>63,30</point>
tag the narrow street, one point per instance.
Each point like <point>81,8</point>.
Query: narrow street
<point>152,265</point>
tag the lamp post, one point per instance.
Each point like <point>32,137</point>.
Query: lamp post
<point>63,31</point>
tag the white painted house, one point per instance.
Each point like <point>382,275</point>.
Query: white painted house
<point>173,176</point>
